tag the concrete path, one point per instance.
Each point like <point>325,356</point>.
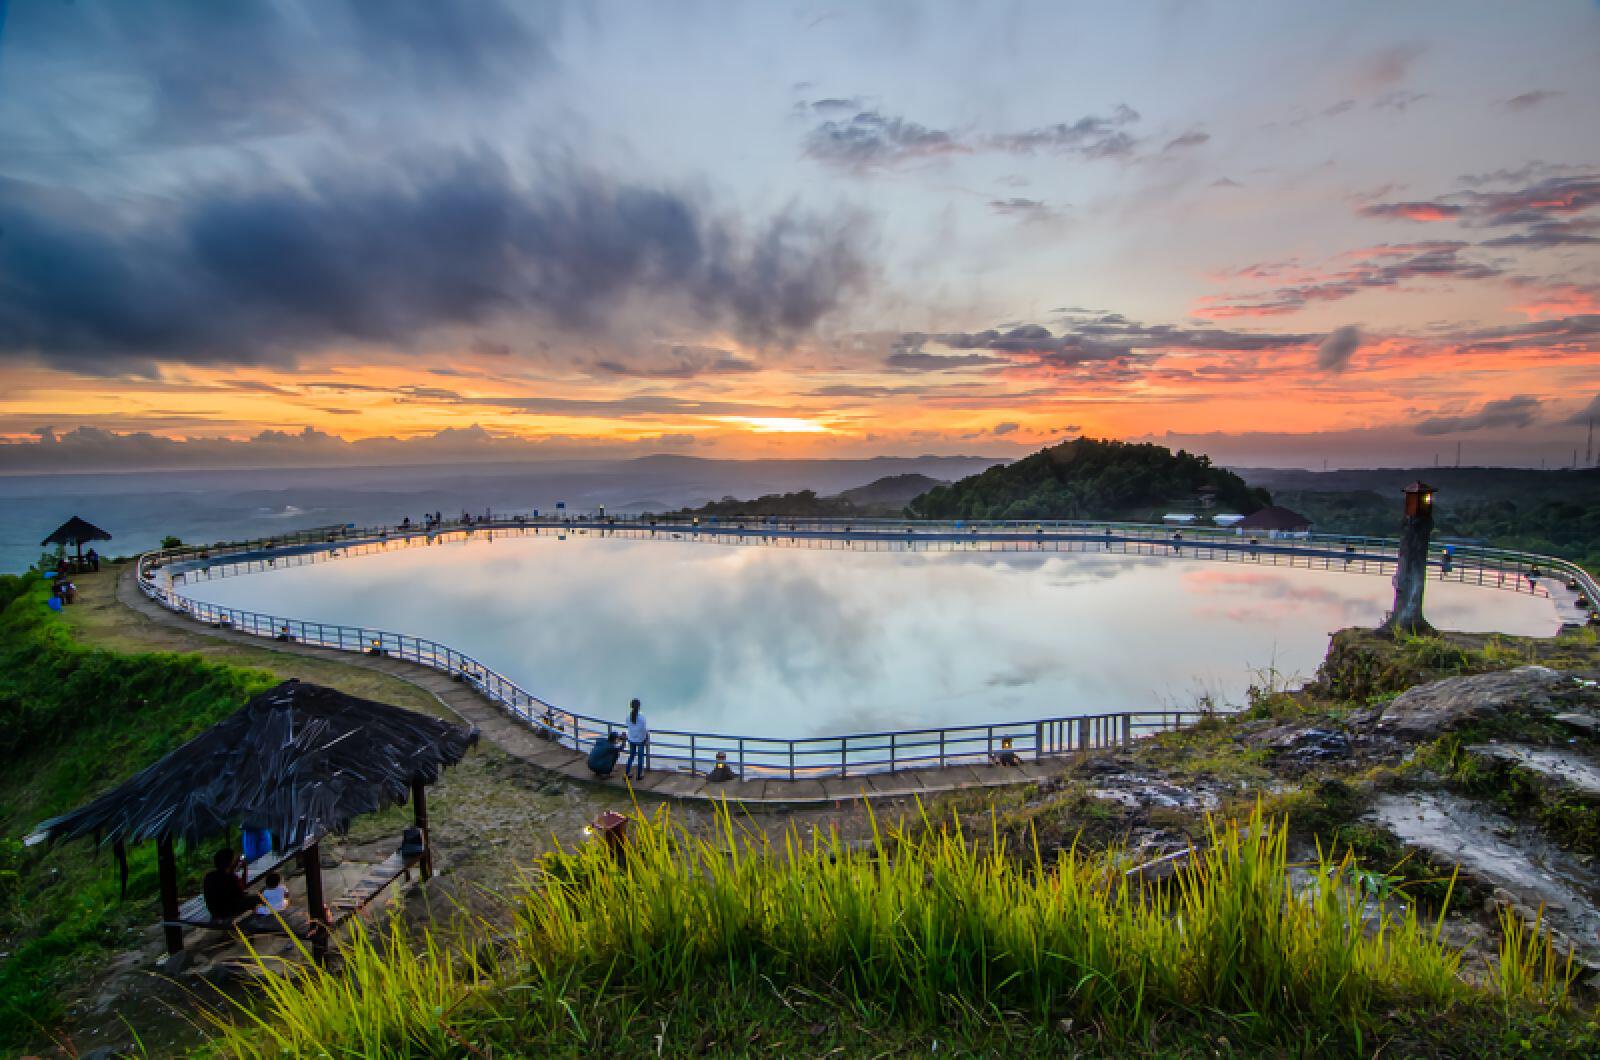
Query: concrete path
<point>516,739</point>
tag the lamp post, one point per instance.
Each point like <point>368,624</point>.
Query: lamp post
<point>1411,570</point>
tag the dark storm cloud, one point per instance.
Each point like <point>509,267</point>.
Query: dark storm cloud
<point>871,139</point>
<point>214,72</point>
<point>1518,411</point>
<point>1335,351</point>
<point>262,273</point>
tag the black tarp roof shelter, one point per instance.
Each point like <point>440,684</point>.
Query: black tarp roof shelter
<point>76,531</point>
<point>300,760</point>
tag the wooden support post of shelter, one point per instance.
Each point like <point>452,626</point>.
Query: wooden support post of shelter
<point>168,865</point>
<point>316,906</point>
<point>419,809</point>
<point>1411,567</point>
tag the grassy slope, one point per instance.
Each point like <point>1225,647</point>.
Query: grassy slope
<point>699,945</point>
<point>61,918</point>
<point>73,718</point>
<point>136,694</point>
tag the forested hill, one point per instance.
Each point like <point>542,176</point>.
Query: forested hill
<point>1091,478</point>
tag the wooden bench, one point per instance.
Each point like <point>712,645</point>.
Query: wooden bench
<point>372,884</point>
<point>194,914</point>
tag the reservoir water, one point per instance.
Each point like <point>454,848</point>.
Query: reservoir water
<point>795,642</point>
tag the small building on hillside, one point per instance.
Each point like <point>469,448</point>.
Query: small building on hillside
<point>1275,521</point>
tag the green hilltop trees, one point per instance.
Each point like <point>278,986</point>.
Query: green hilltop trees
<point>1090,478</point>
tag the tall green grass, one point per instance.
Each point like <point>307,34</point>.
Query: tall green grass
<point>924,926</point>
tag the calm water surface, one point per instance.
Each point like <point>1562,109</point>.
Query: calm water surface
<point>795,642</point>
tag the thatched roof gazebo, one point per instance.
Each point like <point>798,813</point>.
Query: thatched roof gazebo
<point>76,531</point>
<point>299,760</point>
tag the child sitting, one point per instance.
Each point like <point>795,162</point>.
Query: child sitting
<point>274,897</point>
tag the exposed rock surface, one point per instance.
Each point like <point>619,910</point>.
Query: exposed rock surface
<point>1569,769</point>
<point>1526,872</point>
<point>1440,706</point>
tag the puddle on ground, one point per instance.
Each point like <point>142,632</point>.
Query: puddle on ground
<point>1490,848</point>
<point>1575,770</point>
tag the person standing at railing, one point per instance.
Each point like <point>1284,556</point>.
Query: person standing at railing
<point>638,737</point>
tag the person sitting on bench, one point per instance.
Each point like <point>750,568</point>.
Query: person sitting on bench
<point>1006,756</point>
<point>603,755</point>
<point>224,891</point>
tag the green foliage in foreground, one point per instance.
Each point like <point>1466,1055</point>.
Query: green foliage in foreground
<point>1090,478</point>
<point>73,721</point>
<point>922,931</point>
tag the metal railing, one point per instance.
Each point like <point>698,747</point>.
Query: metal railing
<point>813,757</point>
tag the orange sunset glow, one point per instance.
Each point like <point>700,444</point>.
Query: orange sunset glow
<point>896,272</point>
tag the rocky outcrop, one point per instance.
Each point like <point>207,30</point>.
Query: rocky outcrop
<point>1440,706</point>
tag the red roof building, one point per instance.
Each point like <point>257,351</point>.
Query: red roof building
<point>1275,519</point>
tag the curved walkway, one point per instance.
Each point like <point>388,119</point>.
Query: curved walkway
<point>517,740</point>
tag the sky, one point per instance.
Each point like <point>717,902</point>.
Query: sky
<point>265,233</point>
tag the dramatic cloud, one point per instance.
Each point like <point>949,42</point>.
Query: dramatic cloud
<point>1335,351</point>
<point>218,73</point>
<point>916,361</point>
<point>1551,234</point>
<point>1105,343</point>
<point>1382,267</point>
<point>1519,411</point>
<point>93,448</point>
<point>871,139</point>
<point>1569,334</point>
<point>264,273</point>
<point>1414,211</point>
<point>1549,206</point>
<point>683,362</point>
<point>1091,136</point>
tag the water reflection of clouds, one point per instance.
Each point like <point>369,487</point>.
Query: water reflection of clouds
<point>794,642</point>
